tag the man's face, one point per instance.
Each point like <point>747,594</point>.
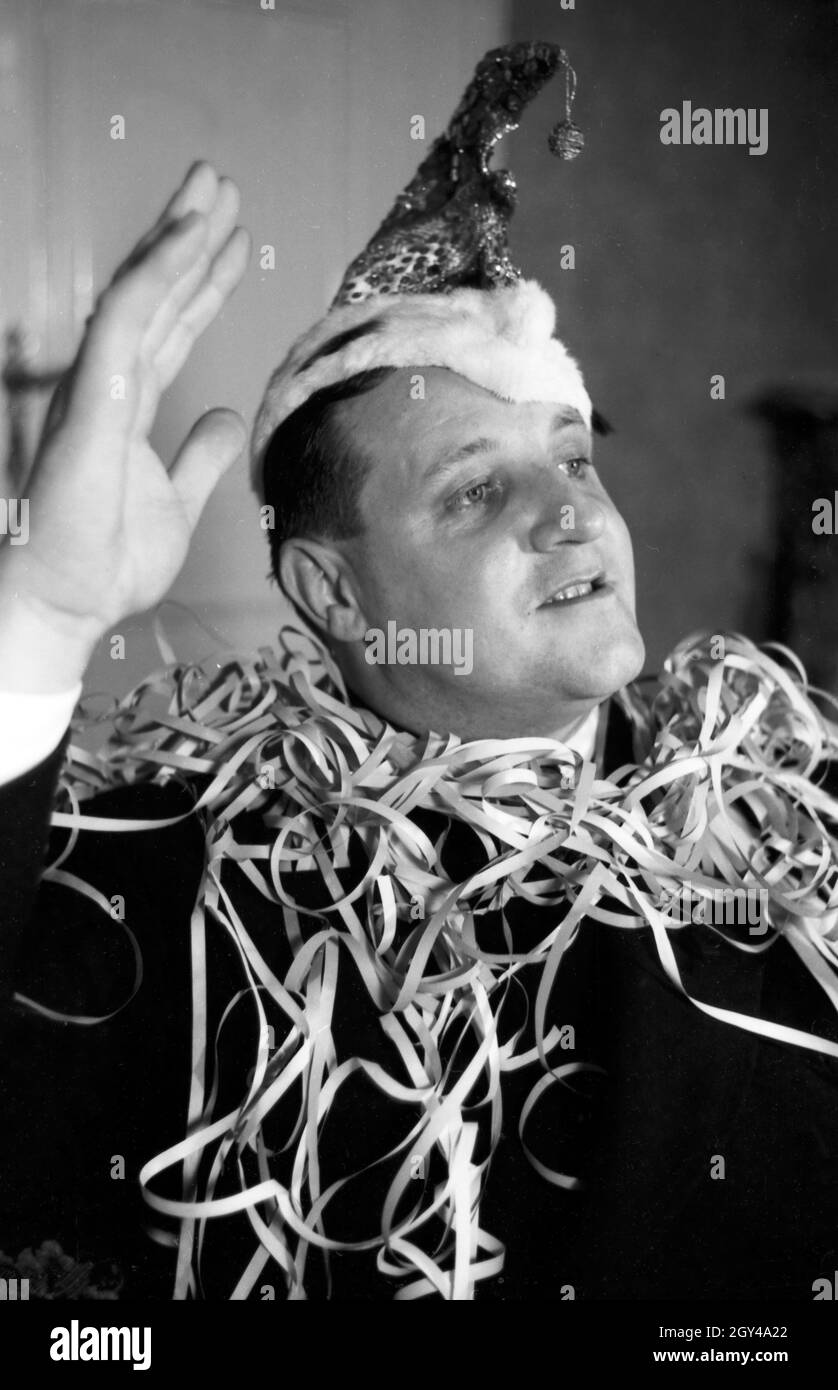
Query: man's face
<point>483,514</point>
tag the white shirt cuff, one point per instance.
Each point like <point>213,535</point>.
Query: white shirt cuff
<point>31,727</point>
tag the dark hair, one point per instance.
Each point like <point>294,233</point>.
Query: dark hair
<point>312,475</point>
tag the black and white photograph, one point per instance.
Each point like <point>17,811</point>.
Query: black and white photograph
<point>419,665</point>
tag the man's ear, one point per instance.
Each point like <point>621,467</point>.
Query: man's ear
<point>319,580</point>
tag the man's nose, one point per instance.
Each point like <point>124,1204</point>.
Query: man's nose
<point>565,514</point>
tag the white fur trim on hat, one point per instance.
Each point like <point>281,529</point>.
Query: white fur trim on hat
<point>500,339</point>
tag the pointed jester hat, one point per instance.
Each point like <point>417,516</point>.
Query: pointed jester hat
<point>435,287</point>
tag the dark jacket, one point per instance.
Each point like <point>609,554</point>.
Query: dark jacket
<point>708,1153</point>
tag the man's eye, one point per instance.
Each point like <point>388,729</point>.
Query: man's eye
<point>475,495</point>
<point>577,468</point>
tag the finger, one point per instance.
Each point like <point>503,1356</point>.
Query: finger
<point>197,193</point>
<point>225,274</point>
<point>57,405</point>
<point>222,216</point>
<point>157,375</point>
<point>212,445</point>
<point>220,223</point>
<point>105,391</point>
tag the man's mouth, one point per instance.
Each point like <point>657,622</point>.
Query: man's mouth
<point>577,590</point>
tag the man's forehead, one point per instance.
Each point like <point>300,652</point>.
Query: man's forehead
<point>433,406</point>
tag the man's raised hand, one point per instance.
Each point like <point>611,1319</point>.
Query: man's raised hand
<point>109,526</point>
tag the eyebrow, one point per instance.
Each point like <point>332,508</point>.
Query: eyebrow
<point>483,444</point>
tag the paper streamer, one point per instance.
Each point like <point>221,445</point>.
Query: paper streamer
<point>724,794</point>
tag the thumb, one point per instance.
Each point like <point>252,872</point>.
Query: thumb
<point>214,443</point>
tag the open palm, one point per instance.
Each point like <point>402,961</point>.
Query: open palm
<point>110,525</point>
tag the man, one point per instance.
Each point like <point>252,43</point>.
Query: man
<point>443,1040</point>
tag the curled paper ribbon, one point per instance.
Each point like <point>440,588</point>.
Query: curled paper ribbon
<point>724,795</point>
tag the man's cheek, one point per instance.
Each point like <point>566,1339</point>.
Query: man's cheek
<point>622,551</point>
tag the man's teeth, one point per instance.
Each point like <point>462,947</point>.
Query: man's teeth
<point>572,591</point>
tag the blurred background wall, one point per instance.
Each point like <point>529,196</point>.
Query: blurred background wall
<point>689,261</point>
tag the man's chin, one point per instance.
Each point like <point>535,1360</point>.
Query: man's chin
<point>623,662</point>
<point>610,665</point>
